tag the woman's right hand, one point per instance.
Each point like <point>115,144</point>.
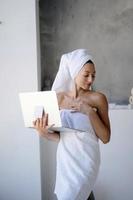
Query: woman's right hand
<point>41,125</point>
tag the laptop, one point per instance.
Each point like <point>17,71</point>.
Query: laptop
<point>35,104</point>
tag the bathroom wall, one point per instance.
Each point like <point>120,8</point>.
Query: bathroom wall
<point>104,27</point>
<point>19,71</point>
<point>114,181</point>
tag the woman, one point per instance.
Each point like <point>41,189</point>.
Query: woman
<point>78,155</point>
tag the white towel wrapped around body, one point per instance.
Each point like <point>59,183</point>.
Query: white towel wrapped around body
<point>78,158</point>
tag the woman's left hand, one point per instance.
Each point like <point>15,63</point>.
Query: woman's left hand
<point>72,104</point>
<point>81,106</point>
<point>77,105</point>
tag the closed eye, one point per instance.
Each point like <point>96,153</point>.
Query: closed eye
<point>93,76</point>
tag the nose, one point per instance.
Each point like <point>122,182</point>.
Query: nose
<point>90,79</point>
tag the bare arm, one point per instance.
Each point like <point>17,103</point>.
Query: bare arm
<point>100,120</point>
<point>43,130</point>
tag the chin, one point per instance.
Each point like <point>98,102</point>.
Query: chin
<point>87,87</point>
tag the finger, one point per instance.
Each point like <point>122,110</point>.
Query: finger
<point>74,110</point>
<point>43,113</point>
<point>80,104</point>
<point>72,106</point>
<point>41,122</point>
<point>44,120</point>
<point>37,123</point>
<point>34,123</point>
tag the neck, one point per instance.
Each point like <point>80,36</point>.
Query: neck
<point>76,92</point>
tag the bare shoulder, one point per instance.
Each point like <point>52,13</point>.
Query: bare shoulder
<point>99,99</point>
<point>99,96</point>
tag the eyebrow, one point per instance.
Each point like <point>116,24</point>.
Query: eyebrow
<point>90,72</point>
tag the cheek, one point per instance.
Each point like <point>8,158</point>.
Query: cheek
<point>80,80</point>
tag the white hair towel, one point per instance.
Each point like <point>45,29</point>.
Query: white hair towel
<point>70,65</point>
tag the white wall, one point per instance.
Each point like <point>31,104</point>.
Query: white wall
<point>115,181</point>
<point>48,168</point>
<point>19,147</point>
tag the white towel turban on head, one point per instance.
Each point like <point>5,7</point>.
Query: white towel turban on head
<point>70,65</point>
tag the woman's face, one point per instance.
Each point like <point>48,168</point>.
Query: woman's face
<point>86,76</point>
